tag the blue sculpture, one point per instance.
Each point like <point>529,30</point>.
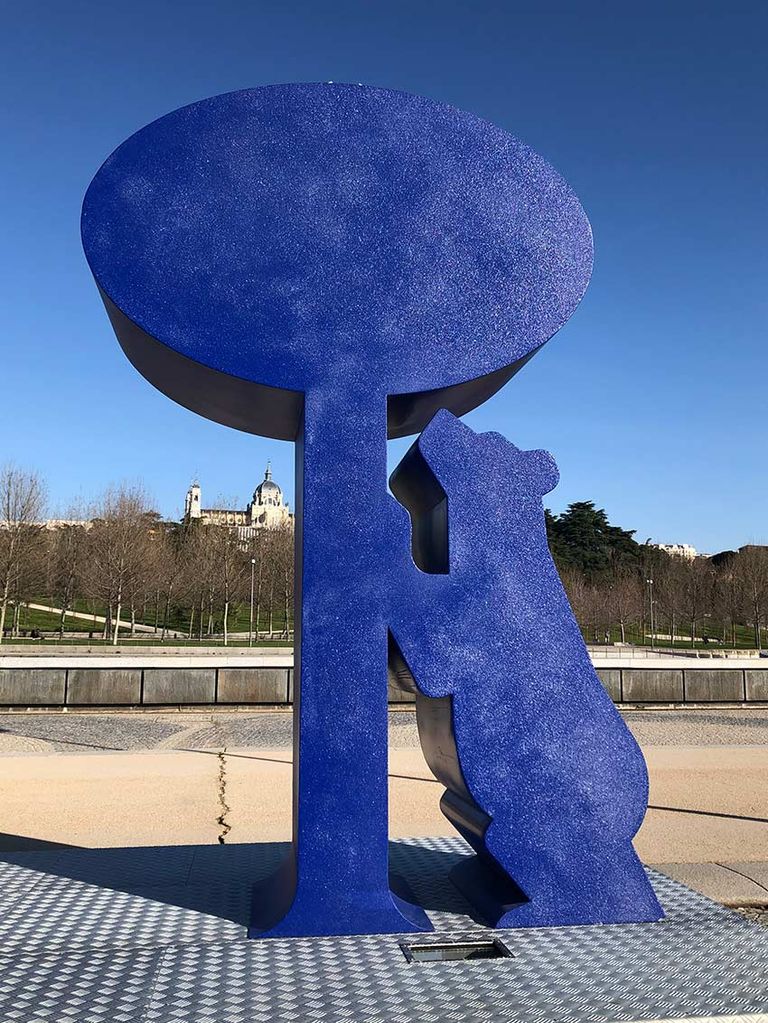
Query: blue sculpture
<point>542,776</point>
<point>333,264</point>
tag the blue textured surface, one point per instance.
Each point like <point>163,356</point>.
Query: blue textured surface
<point>330,263</point>
<point>542,776</point>
<point>338,237</point>
<point>340,881</point>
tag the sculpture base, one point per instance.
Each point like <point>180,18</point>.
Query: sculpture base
<point>498,902</point>
<point>160,934</point>
<point>489,892</point>
<point>277,912</point>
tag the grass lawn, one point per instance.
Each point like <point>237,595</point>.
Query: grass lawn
<point>49,623</point>
<point>745,638</point>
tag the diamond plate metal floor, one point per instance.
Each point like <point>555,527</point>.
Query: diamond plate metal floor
<point>151,935</point>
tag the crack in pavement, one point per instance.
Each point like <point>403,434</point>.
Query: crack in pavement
<point>729,866</point>
<point>221,820</point>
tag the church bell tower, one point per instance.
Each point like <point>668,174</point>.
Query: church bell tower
<point>192,502</point>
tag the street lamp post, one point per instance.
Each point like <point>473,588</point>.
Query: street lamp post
<point>250,626</point>
<point>650,606</point>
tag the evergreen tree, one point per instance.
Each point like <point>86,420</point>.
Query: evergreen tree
<point>582,538</point>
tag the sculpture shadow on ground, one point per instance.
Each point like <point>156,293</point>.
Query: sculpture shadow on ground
<point>214,880</point>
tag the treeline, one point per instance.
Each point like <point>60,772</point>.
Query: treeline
<point>124,564</point>
<point>624,591</point>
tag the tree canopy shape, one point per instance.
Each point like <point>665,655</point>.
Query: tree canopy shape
<point>582,538</point>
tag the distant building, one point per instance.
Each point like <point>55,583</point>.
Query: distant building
<point>678,550</point>
<point>267,509</point>
<point>723,558</point>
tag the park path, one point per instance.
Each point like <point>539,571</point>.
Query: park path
<point>101,619</point>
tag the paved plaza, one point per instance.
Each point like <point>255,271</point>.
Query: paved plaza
<point>73,731</point>
<point>134,936</point>
<point>128,779</point>
<point>129,841</point>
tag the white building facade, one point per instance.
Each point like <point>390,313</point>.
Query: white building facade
<point>678,550</point>
<point>266,510</point>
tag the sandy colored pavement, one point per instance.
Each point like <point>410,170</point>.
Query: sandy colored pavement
<point>727,780</point>
<point>179,797</point>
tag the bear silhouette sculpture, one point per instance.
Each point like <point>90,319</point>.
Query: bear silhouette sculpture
<point>542,776</point>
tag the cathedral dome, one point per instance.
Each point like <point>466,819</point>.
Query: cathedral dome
<point>268,492</point>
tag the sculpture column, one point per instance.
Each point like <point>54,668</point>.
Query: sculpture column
<point>337,880</point>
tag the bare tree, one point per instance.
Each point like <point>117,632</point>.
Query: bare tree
<point>187,583</point>
<point>624,599</point>
<point>66,556</point>
<point>22,503</point>
<point>30,578</point>
<point>196,563</point>
<point>668,583</point>
<point>273,577</point>
<point>209,575</point>
<point>118,549</point>
<point>752,572</point>
<point>258,551</point>
<point>695,590</point>
<point>226,563</point>
<point>282,554</point>
<point>587,602</point>
<point>728,597</point>
<point>148,569</point>
<point>169,571</point>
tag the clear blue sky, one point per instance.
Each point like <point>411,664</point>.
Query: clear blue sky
<point>652,399</point>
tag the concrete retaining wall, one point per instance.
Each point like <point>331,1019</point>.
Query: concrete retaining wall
<point>756,683</point>
<point>209,680</point>
<point>173,685</point>
<point>150,680</point>
<point>253,685</point>
<point>32,686</point>
<point>652,685</point>
<point>692,685</point>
